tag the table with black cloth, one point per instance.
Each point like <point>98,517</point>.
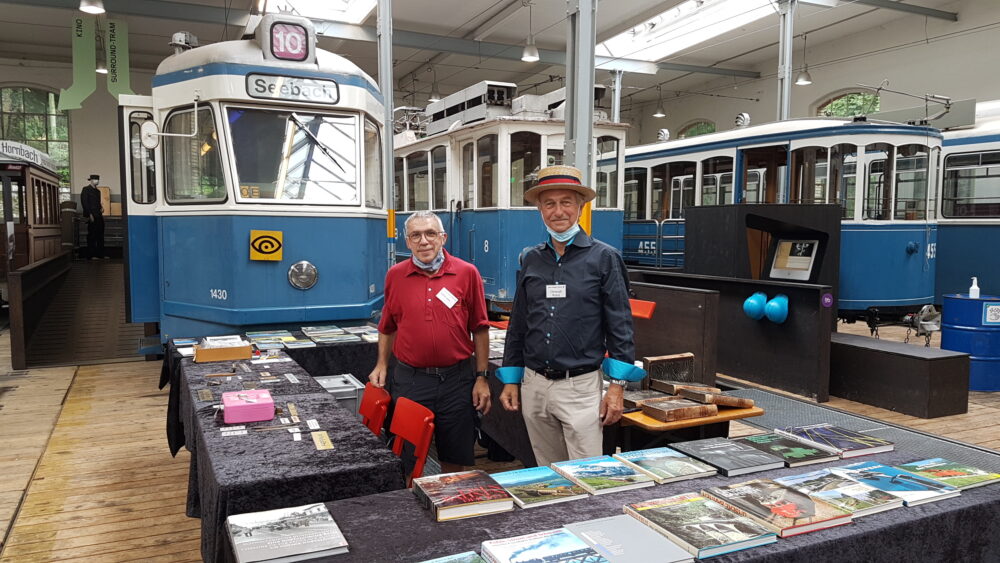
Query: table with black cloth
<point>267,470</point>
<point>392,526</point>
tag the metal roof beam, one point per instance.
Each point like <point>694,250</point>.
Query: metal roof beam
<point>485,49</point>
<point>897,5</point>
<point>160,9</point>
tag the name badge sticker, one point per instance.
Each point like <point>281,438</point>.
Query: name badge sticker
<point>447,298</point>
<point>555,291</point>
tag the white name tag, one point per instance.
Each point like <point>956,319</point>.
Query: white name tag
<point>313,424</point>
<point>555,291</point>
<point>447,298</point>
<point>291,378</point>
<point>296,436</point>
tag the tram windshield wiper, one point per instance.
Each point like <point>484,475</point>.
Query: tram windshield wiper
<point>319,144</point>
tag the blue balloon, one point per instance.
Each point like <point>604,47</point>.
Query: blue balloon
<point>754,305</point>
<point>776,309</point>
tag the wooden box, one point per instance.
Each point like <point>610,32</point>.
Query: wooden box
<point>202,355</point>
<point>669,409</point>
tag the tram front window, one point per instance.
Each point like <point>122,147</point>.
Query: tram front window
<point>292,157</point>
<point>193,166</point>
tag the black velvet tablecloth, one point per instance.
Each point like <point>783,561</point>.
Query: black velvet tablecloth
<point>392,526</point>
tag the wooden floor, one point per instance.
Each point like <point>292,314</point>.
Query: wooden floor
<point>89,478</point>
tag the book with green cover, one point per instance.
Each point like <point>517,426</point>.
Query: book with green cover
<point>844,493</point>
<point>538,486</point>
<point>783,510</point>
<point>703,527</point>
<point>957,475</point>
<point>666,465</point>
<point>602,474</point>
<point>794,452</point>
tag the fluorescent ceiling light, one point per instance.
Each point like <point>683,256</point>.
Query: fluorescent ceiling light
<point>92,6</point>
<point>349,11</point>
<point>685,25</point>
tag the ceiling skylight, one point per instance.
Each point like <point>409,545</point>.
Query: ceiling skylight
<point>685,25</point>
<point>349,11</point>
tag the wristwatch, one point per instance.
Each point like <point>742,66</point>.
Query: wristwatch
<point>485,374</point>
<point>621,382</point>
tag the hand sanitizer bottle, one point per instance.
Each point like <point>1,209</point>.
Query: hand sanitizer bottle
<point>974,289</point>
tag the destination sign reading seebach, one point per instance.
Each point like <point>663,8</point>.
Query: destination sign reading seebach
<point>293,88</point>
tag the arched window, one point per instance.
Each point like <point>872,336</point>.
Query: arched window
<point>29,116</point>
<point>696,128</point>
<point>849,104</point>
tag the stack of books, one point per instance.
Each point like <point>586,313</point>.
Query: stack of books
<point>286,534</point>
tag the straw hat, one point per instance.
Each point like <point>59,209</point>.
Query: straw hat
<point>559,178</point>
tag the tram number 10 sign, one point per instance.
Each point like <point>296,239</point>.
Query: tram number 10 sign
<point>289,42</point>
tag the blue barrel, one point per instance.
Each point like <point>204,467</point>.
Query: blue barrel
<point>973,326</point>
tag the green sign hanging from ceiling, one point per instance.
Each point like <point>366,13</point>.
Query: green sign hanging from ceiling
<point>119,81</point>
<point>84,63</point>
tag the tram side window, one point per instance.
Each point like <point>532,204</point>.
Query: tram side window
<point>911,182</point>
<point>717,180</point>
<point>809,166</point>
<point>487,161</point>
<point>878,190</point>
<point>439,167</point>
<point>525,161</point>
<point>143,167</point>
<point>193,165</point>
<point>373,166</point>
<point>673,189</point>
<point>468,175</point>
<point>607,172</point>
<point>397,180</point>
<point>971,185</point>
<point>843,177</point>
<point>417,181</point>
<point>635,193</point>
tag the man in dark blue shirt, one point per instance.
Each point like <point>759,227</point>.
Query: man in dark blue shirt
<point>570,307</point>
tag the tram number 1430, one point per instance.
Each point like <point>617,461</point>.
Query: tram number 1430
<point>220,294</point>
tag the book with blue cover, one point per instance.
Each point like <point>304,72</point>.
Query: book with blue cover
<point>841,441</point>
<point>666,465</point>
<point>844,493</point>
<point>538,486</point>
<point>602,474</point>
<point>910,487</point>
<point>550,545</point>
<point>464,557</point>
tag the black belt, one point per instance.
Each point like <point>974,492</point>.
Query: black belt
<point>549,373</point>
<point>436,371</point>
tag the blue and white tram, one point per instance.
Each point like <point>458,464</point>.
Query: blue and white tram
<point>474,177</point>
<point>969,212</point>
<point>252,184</point>
<point>882,174</point>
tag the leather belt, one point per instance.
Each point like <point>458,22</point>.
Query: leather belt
<point>435,370</point>
<point>549,373</point>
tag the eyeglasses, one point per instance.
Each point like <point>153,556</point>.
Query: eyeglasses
<point>431,236</point>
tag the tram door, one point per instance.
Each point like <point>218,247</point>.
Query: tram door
<point>139,193</point>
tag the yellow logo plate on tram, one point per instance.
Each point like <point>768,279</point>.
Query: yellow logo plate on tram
<point>266,245</point>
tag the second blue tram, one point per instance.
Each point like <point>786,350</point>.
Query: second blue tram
<point>883,175</point>
<point>252,182</point>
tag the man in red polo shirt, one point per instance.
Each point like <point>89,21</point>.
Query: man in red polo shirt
<point>432,303</point>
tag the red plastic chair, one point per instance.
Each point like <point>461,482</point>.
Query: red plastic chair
<point>374,406</point>
<point>413,423</point>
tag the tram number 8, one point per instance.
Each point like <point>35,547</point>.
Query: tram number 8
<point>220,294</point>
<point>486,245</point>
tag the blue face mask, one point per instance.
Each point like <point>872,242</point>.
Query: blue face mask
<point>434,264</point>
<point>566,235</point>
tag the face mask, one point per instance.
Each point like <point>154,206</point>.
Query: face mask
<point>434,264</point>
<point>93,183</point>
<point>566,235</point>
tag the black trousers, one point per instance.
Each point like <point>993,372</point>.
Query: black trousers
<point>95,237</point>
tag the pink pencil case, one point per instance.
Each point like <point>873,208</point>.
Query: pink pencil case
<point>253,405</point>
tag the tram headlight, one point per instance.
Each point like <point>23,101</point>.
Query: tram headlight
<point>303,275</point>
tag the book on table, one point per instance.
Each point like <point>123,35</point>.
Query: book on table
<point>781,509</point>
<point>461,495</point>
<point>665,465</point>
<point>335,338</point>
<point>703,527</point>
<point>669,409</point>
<point>602,474</point>
<point>794,452</point>
<point>731,457</point>
<point>715,398</point>
<point>321,330</point>
<point>912,488</point>
<point>299,343</point>
<point>844,493</point>
<point>958,475</point>
<point>464,557</point>
<point>623,539</point>
<point>285,535</point>
<point>549,545</point>
<point>841,441</point>
<point>538,486</point>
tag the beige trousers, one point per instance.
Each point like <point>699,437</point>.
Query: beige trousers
<point>562,416</point>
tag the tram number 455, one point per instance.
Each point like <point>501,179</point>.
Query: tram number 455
<point>931,250</point>
<point>220,294</point>
<point>647,247</point>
